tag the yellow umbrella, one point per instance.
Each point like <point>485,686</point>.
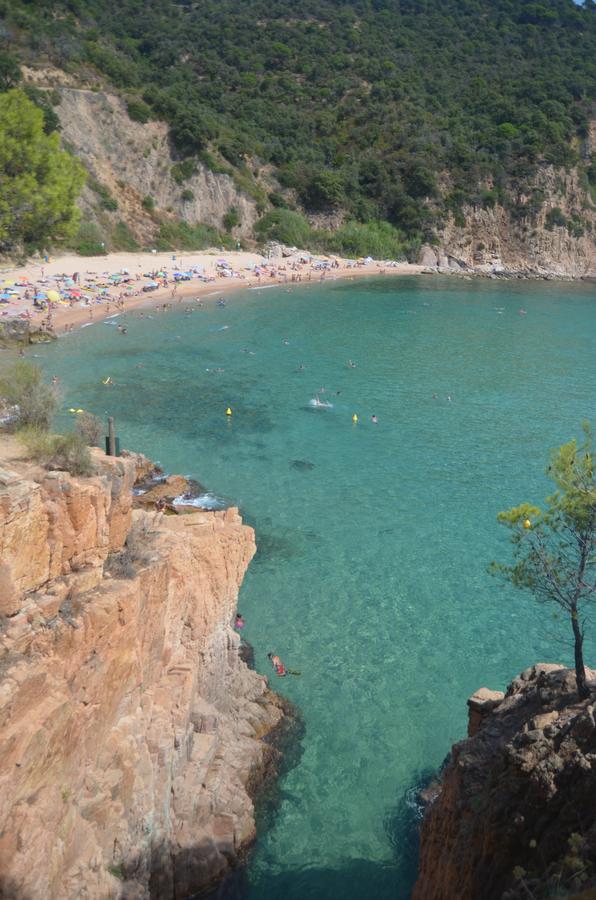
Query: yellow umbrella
<point>54,296</point>
<point>9,282</point>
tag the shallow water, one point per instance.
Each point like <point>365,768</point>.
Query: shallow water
<point>370,576</point>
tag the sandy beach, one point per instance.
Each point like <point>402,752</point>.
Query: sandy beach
<point>210,279</point>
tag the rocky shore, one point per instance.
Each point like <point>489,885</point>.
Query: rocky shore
<point>514,815</point>
<point>133,736</point>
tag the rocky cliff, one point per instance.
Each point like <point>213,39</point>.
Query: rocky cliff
<point>515,814</point>
<point>130,728</point>
<point>549,230</point>
<point>134,162</point>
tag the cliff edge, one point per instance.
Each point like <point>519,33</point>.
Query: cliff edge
<point>515,814</point>
<point>130,728</point>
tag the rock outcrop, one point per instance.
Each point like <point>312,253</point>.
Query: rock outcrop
<point>515,815</point>
<point>131,731</point>
<point>134,161</point>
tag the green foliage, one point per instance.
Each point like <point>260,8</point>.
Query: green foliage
<point>10,71</point>
<point>89,240</point>
<point>148,203</point>
<point>184,170</point>
<point>24,387</point>
<point>107,200</point>
<point>285,226</point>
<point>231,218</point>
<point>378,239</point>
<point>39,182</point>
<point>44,100</point>
<point>323,190</point>
<point>66,452</point>
<point>553,549</point>
<point>359,104</point>
<point>138,111</point>
<point>182,236</point>
<point>187,196</point>
<point>122,238</point>
<point>190,130</point>
<point>555,219</point>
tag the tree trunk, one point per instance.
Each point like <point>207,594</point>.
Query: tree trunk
<point>580,671</point>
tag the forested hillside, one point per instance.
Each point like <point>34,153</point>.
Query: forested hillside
<point>394,110</point>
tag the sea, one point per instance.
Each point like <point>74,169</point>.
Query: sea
<point>374,538</point>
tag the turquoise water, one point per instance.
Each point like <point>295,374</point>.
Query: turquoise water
<point>373,539</point>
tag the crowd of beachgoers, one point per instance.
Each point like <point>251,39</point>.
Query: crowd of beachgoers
<point>59,295</point>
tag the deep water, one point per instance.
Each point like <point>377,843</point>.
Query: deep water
<point>370,578</point>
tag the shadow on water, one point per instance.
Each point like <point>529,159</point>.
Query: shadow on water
<point>357,879</point>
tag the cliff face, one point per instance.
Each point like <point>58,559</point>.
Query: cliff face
<point>130,728</point>
<point>134,161</point>
<point>515,815</point>
<point>494,239</point>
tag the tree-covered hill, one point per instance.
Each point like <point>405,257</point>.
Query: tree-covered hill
<point>398,110</point>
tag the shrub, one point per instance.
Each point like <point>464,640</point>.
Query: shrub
<point>138,111</point>
<point>184,170</point>
<point>122,238</point>
<point>122,564</point>
<point>182,236</point>
<point>88,240</point>
<point>378,239</point>
<point>90,428</point>
<point>24,387</point>
<point>555,219</point>
<point>285,226</point>
<point>231,219</point>
<point>148,203</point>
<point>187,196</point>
<point>67,452</point>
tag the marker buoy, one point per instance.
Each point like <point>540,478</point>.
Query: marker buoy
<point>527,523</point>
<point>354,418</point>
<point>228,411</point>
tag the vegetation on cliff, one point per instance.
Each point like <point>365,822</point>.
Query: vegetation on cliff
<point>24,390</point>
<point>554,549</point>
<point>389,110</point>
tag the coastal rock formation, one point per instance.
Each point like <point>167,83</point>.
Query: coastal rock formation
<point>515,814</point>
<point>134,161</point>
<point>131,731</point>
<point>15,332</point>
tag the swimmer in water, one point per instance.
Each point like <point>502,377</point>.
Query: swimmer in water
<point>351,365</point>
<point>239,623</point>
<point>373,419</point>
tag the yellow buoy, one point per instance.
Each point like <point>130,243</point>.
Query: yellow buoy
<point>354,418</point>
<point>72,409</point>
<point>228,411</point>
<point>527,523</point>
<point>80,410</point>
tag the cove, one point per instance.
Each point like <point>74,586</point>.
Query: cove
<point>370,577</point>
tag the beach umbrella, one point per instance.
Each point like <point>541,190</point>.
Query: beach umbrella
<point>54,296</point>
<point>40,295</point>
<point>5,296</point>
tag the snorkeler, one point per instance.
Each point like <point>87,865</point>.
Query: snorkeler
<point>279,667</point>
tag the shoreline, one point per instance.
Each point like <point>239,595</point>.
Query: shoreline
<point>288,273</point>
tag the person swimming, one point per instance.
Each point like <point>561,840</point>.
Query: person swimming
<point>279,667</point>
<point>373,419</point>
<point>351,364</point>
<point>239,622</point>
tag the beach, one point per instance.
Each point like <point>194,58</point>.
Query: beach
<point>92,288</point>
